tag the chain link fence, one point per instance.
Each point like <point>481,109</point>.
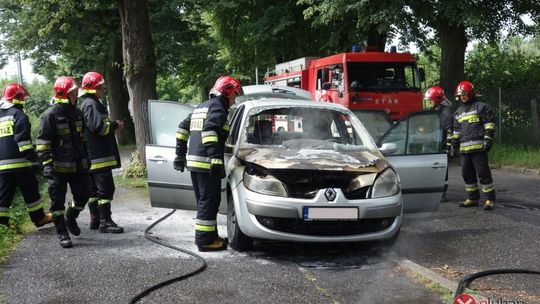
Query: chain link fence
<point>516,115</point>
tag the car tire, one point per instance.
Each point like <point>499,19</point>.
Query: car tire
<point>237,239</point>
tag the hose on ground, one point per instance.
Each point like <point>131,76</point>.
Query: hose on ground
<point>201,268</point>
<point>471,277</point>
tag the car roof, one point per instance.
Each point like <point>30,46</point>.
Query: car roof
<point>280,102</point>
<point>266,91</point>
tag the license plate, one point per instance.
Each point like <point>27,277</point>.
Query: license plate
<point>327,214</point>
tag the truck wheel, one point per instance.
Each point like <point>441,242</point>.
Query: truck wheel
<point>237,239</point>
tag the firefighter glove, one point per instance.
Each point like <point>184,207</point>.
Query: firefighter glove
<point>179,163</point>
<point>48,172</point>
<point>487,145</point>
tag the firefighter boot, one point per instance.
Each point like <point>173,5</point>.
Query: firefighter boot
<point>217,245</point>
<point>94,215</point>
<point>469,203</point>
<point>47,218</point>
<point>71,221</point>
<point>107,225</point>
<point>62,232</point>
<point>489,205</point>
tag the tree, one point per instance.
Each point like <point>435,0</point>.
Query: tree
<point>139,65</point>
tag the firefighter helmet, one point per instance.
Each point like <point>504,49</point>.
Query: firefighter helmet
<point>91,80</point>
<point>63,86</point>
<point>14,93</point>
<point>226,85</point>
<point>436,96</point>
<point>465,88</point>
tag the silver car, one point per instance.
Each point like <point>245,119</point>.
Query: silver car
<point>299,170</point>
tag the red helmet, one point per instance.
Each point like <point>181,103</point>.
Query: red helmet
<point>436,95</point>
<point>465,88</point>
<point>14,93</point>
<point>63,86</point>
<point>226,85</point>
<point>91,80</point>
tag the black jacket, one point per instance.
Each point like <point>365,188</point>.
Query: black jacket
<point>16,150</point>
<point>61,141</point>
<point>102,147</point>
<point>473,124</point>
<point>207,130</point>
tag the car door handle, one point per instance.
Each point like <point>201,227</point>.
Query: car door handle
<point>157,159</point>
<point>437,165</point>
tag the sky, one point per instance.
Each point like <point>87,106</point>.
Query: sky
<point>10,71</point>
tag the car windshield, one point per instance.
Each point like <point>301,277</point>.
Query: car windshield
<point>305,128</point>
<point>382,76</point>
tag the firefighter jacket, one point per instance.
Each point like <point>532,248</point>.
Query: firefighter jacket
<point>102,147</point>
<point>16,150</point>
<point>61,141</point>
<point>207,130</point>
<point>473,125</point>
<point>447,123</point>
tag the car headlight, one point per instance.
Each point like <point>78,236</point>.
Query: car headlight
<point>387,184</point>
<point>268,185</point>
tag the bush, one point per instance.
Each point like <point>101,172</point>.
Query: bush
<point>134,168</point>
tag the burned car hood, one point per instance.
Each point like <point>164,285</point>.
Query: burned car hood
<point>276,158</point>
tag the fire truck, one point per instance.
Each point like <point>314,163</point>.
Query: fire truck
<point>388,81</point>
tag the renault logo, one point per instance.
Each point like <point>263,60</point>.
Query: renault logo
<point>330,194</point>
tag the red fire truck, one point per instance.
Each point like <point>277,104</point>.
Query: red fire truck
<point>387,81</point>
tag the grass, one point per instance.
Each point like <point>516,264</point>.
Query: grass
<point>517,156</point>
<point>137,182</point>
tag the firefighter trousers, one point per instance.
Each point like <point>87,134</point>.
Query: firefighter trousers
<point>474,167</point>
<point>207,189</point>
<point>102,187</point>
<point>78,183</point>
<point>27,183</point>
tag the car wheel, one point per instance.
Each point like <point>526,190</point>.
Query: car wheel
<point>237,239</point>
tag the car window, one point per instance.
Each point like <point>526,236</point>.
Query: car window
<point>376,122</point>
<point>164,119</point>
<point>420,133</point>
<point>311,128</point>
<point>235,124</point>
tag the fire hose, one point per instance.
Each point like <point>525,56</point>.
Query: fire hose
<point>469,278</point>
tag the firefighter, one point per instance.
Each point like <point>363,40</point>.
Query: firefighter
<point>474,131</point>
<point>435,100</point>
<point>207,130</point>
<point>18,157</point>
<point>61,147</point>
<point>103,153</point>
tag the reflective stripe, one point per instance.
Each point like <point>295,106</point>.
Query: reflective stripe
<point>61,100</point>
<point>486,190</point>
<point>471,189</point>
<point>104,201</point>
<point>43,142</point>
<point>489,126</point>
<point>32,206</point>
<point>24,143</point>
<point>43,147</point>
<point>4,214</point>
<point>64,167</point>
<point>57,213</point>
<point>104,162</point>
<point>226,127</point>
<point>93,200</point>
<point>182,136</point>
<point>107,127</point>
<point>48,161</point>
<point>209,139</point>
<point>24,148</point>
<point>470,117</point>
<point>471,145</point>
<point>196,164</point>
<point>182,131</point>
<point>206,222</point>
<point>208,133</point>
<point>72,205</point>
<point>18,102</point>
<point>198,158</point>
<point>487,137</point>
<point>6,118</point>
<point>205,228</point>
<point>216,161</point>
<point>16,163</point>
<point>88,91</point>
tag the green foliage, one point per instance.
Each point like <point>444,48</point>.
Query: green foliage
<point>513,155</point>
<point>134,168</point>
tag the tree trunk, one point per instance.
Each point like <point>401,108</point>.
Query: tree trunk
<point>118,95</point>
<point>453,42</point>
<point>139,66</point>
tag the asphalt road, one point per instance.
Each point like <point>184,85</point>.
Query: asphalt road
<point>106,268</point>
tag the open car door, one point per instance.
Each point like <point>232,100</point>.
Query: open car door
<point>419,160</point>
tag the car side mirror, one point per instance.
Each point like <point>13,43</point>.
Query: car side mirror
<point>388,148</point>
